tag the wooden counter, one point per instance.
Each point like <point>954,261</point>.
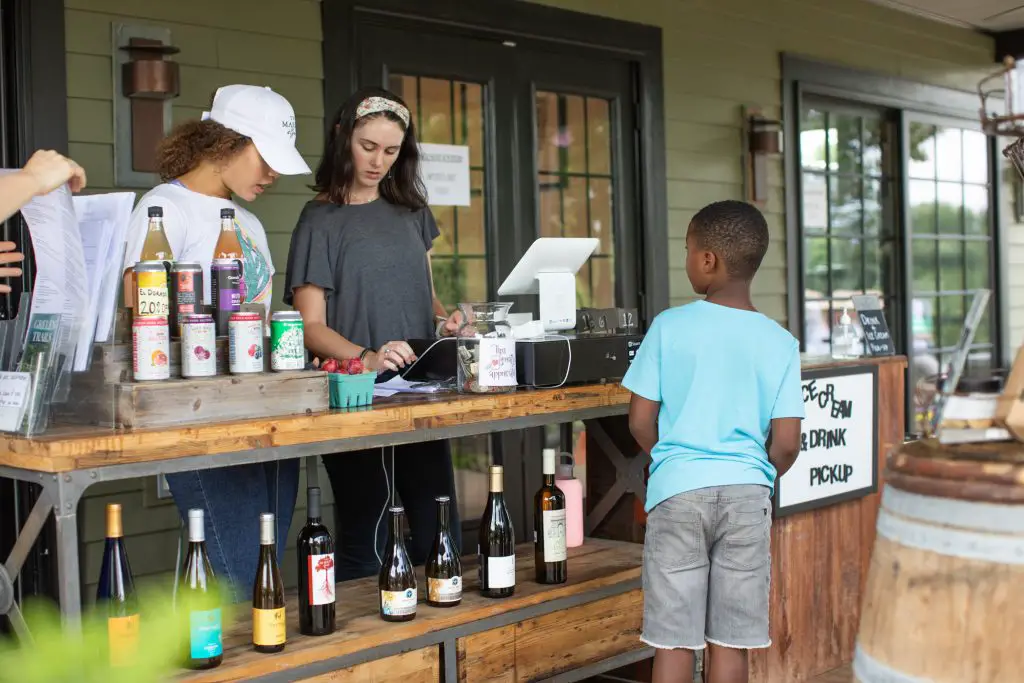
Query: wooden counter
<point>538,632</point>
<point>70,448</point>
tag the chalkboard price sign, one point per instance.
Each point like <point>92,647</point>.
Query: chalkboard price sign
<point>877,338</point>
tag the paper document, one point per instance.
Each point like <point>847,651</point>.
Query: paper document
<point>102,224</point>
<point>397,385</point>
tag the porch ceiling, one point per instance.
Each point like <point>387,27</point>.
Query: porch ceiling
<point>984,15</point>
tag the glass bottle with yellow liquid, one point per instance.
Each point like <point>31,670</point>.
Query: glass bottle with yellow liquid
<point>154,248</point>
<point>228,247</point>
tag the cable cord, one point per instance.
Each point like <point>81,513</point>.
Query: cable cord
<point>389,492</point>
<point>568,365</point>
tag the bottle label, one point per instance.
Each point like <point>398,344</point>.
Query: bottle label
<point>152,297</point>
<point>398,603</point>
<point>268,626</point>
<point>123,639</point>
<point>501,572</point>
<point>320,569</point>
<point>205,634</point>
<point>553,527</point>
<point>445,590</point>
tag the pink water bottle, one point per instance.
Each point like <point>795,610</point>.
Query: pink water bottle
<point>573,491</point>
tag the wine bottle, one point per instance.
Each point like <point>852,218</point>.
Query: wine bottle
<point>199,595</point>
<point>497,546</point>
<point>549,526</point>
<point>228,245</point>
<point>397,579</point>
<point>316,572</point>
<point>116,596</point>
<point>268,622</point>
<point>444,568</point>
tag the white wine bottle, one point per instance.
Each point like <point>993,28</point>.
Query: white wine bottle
<point>497,545</point>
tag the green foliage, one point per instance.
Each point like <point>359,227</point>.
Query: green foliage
<point>59,655</point>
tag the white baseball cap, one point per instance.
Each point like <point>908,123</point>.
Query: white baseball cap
<point>266,118</point>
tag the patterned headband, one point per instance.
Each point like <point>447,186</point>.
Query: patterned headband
<point>375,105</point>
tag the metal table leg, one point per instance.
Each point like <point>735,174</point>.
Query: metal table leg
<point>69,492</point>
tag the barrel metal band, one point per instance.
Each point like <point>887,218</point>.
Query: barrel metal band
<point>867,669</point>
<point>987,517</point>
<point>972,545</point>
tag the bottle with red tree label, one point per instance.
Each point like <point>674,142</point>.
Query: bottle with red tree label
<point>316,572</point>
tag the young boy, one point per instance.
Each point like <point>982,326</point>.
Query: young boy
<point>709,383</point>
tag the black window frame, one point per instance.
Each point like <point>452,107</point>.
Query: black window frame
<point>802,76</point>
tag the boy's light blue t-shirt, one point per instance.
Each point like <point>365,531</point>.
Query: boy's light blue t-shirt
<point>721,375</point>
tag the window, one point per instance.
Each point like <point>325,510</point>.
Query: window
<point>575,181</point>
<point>848,236</point>
<point>951,243</point>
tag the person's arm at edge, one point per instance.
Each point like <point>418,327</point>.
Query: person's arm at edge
<point>44,172</point>
<point>784,443</point>
<point>643,422</point>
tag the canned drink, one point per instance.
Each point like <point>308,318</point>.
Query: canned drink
<point>151,297</point>
<point>245,342</point>
<point>198,346</point>
<point>151,348</point>
<point>186,293</point>
<point>225,291</point>
<point>287,349</point>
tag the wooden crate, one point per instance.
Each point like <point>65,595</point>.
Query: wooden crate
<point>105,395</point>
<point>418,666</point>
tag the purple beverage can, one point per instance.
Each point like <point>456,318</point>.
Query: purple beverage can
<point>225,291</point>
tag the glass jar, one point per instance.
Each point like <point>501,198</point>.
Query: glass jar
<point>485,335</point>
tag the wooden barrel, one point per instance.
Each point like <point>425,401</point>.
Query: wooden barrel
<point>944,600</point>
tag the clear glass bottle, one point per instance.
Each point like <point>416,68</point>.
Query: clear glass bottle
<point>486,349</point>
<point>845,342</point>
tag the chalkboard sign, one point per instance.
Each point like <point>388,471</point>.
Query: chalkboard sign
<point>877,338</point>
<point>838,457</point>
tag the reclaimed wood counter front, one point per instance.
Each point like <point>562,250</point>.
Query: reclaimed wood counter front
<point>390,421</point>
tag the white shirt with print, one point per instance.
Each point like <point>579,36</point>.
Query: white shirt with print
<point>192,225</point>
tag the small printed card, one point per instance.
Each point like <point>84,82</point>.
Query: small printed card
<point>497,362</point>
<point>14,391</point>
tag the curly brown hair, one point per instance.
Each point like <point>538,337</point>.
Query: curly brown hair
<point>195,141</point>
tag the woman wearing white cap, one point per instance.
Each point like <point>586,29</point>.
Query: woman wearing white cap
<point>238,149</point>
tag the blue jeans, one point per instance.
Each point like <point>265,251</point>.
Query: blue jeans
<point>232,499</point>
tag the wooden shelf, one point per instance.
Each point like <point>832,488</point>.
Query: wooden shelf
<point>604,577</point>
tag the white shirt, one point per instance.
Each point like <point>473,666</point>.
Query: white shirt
<point>192,226</point>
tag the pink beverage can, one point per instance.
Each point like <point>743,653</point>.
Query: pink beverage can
<point>151,348</point>
<point>198,346</point>
<point>245,343</point>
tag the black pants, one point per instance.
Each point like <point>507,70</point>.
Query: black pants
<point>361,491</point>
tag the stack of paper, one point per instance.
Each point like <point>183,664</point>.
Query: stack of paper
<point>398,385</point>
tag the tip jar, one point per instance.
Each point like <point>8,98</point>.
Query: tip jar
<point>486,349</point>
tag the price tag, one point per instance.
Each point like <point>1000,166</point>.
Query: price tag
<point>877,338</point>
<point>14,391</point>
<point>497,362</point>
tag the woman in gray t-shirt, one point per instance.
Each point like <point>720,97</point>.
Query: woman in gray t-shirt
<point>359,272</point>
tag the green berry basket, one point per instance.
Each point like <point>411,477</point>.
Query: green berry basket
<point>351,391</point>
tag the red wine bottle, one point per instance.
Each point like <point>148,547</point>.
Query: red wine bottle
<point>316,572</point>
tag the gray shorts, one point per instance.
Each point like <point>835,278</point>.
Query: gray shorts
<point>707,569</point>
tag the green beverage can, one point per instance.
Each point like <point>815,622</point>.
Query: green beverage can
<point>287,347</point>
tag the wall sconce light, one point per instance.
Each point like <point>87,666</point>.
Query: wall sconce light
<point>145,84</point>
<point>762,140</point>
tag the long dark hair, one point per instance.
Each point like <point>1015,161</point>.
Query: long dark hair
<point>334,175</point>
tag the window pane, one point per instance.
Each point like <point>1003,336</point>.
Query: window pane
<point>872,146</point>
<point>548,139</point>
<point>471,218</point>
<point>602,275</point>
<point>816,327</point>
<point>435,111</point>
<point>976,146</point>
<point>471,102</point>
<point>584,294</point>
<point>475,275</point>
<point>951,265</point>
<point>922,206</point>
<point>846,266</point>
<point>599,130</point>
<point>549,188</point>
<point>444,216</point>
<point>844,143</point>
<point>815,203</point>
<point>984,332</point>
<point>601,215</point>
<point>872,207</point>
<point>923,322</point>
<point>816,267</point>
<point>951,320</point>
<point>574,130</point>
<point>950,210</point>
<point>844,205</point>
<point>922,150</point>
<point>977,264</point>
<point>873,267</point>
<point>923,257</point>
<point>976,210</point>
<point>812,140</point>
<point>574,208</point>
<point>949,159</point>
